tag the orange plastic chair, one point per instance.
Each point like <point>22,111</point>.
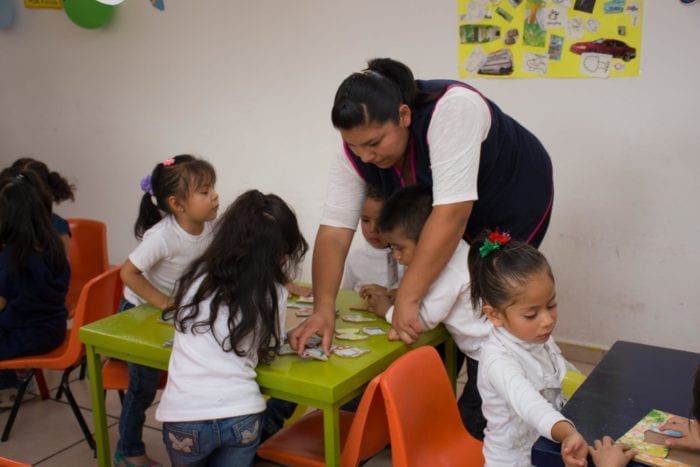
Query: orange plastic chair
<point>96,301</point>
<point>115,375</point>
<point>87,256</point>
<point>362,435</point>
<point>5,462</point>
<point>424,422</point>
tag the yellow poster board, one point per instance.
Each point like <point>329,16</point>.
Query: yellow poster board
<point>549,38</point>
<point>55,4</point>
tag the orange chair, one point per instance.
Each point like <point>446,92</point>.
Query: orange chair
<point>87,256</point>
<point>362,435</point>
<point>96,301</point>
<point>115,375</point>
<point>424,422</point>
<point>5,462</point>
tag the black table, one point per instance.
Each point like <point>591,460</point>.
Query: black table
<point>629,381</point>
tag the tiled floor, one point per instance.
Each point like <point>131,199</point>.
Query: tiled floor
<point>46,433</point>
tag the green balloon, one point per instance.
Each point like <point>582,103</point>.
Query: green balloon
<point>89,14</point>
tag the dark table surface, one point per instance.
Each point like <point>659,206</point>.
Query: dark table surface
<point>629,381</point>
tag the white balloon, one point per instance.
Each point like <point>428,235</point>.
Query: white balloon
<point>110,2</point>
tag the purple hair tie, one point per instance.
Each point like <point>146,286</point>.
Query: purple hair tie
<point>146,184</point>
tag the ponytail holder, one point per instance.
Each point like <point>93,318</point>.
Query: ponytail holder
<point>20,177</point>
<point>169,162</point>
<point>493,242</point>
<point>146,185</point>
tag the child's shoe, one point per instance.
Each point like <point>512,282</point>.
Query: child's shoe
<point>121,461</point>
<point>7,398</point>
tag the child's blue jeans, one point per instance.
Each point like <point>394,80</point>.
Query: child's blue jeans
<point>214,443</point>
<point>143,384</point>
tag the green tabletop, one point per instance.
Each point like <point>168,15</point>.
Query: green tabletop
<point>138,336</point>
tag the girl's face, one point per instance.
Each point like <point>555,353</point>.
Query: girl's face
<point>532,315</point>
<point>369,217</point>
<point>201,205</point>
<point>381,144</point>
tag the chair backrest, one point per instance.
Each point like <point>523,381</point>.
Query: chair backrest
<point>96,301</point>
<point>88,255</point>
<point>5,462</point>
<point>424,421</point>
<point>369,432</point>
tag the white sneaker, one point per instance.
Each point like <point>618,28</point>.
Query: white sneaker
<point>7,398</point>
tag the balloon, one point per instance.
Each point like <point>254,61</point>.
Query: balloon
<point>7,13</point>
<point>111,2</point>
<point>88,14</point>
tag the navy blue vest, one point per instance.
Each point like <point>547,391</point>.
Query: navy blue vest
<point>515,174</point>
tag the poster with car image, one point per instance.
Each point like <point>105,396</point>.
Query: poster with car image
<point>549,38</point>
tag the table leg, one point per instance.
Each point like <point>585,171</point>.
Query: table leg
<point>331,436</point>
<point>97,397</point>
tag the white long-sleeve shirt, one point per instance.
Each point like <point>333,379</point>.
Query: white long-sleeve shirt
<point>520,386</point>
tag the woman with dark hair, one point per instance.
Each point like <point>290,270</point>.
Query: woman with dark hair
<point>485,170</point>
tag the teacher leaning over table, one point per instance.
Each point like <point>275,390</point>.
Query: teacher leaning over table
<point>485,170</point>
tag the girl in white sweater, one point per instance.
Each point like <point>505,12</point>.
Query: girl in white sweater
<point>229,315</point>
<point>521,368</point>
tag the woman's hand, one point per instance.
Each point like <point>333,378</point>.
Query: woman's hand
<point>606,453</point>
<point>321,323</point>
<point>406,323</point>
<point>689,430</point>
<point>574,450</point>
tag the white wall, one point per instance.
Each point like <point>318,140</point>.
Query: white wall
<point>249,86</point>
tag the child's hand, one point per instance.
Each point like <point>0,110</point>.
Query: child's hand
<point>372,289</point>
<point>378,304</point>
<point>299,290</point>
<point>574,450</point>
<point>608,454</point>
<point>689,429</point>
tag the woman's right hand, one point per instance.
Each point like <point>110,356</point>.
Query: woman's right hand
<point>690,433</point>
<point>406,323</point>
<point>321,323</point>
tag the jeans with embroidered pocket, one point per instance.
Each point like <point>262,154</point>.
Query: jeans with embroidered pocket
<point>216,443</point>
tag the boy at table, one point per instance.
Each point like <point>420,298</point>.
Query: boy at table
<point>448,299</point>
<point>370,268</point>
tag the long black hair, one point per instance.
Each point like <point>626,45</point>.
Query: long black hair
<point>375,94</point>
<point>257,246</point>
<point>178,176</point>
<point>25,223</point>
<point>55,183</point>
<point>496,275</point>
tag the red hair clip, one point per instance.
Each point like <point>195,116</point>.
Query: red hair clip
<point>493,242</point>
<point>169,162</point>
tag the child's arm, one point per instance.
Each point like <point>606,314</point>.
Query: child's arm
<point>574,448</point>
<point>3,302</point>
<point>135,280</point>
<point>608,454</point>
<point>378,304</point>
<point>689,429</point>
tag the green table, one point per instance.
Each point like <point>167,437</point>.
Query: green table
<point>137,336</point>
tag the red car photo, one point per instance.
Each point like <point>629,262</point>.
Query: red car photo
<point>614,47</point>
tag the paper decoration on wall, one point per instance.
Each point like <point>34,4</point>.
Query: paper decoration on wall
<point>7,13</point>
<point>549,39</point>
<point>88,14</point>
<point>54,4</point>
<point>158,4</point>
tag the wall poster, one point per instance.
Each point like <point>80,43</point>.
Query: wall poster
<point>549,38</point>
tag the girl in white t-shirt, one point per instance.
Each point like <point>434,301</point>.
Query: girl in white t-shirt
<point>521,368</point>
<point>174,225</point>
<point>229,313</point>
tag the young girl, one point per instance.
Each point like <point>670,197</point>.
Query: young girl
<point>58,187</point>
<point>34,277</point>
<point>183,189</point>
<point>229,314</point>
<point>521,368</point>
